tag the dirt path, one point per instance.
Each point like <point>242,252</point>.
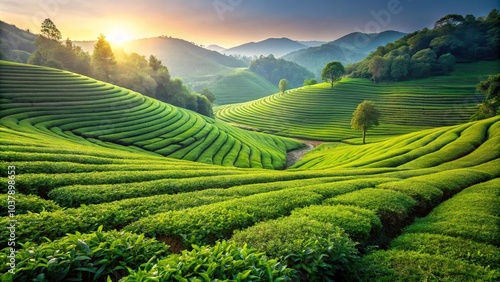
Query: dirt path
<point>294,156</point>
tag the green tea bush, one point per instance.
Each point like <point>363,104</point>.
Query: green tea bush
<point>319,251</point>
<point>395,265</point>
<point>222,262</point>
<point>83,257</point>
<point>451,247</point>
<point>30,203</point>
<point>426,194</point>
<point>358,222</point>
<point>471,214</point>
<point>206,224</point>
<point>392,207</point>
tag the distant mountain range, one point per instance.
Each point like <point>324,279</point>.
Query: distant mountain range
<point>348,49</point>
<point>275,46</point>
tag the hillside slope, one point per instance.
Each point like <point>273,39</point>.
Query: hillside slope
<point>321,113</point>
<point>73,107</point>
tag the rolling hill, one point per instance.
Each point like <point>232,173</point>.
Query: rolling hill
<point>271,46</point>
<point>350,48</point>
<point>124,119</point>
<point>321,113</point>
<point>82,156</point>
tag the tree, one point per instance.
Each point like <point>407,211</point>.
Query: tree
<point>103,57</point>
<point>283,84</point>
<point>491,104</point>
<point>365,117</point>
<point>155,63</point>
<point>446,63</point>
<point>208,94</point>
<point>399,67</point>
<point>379,68</point>
<point>50,31</point>
<point>332,72</point>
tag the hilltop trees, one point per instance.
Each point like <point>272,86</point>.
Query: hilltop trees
<point>332,72</point>
<point>365,117</point>
<point>283,85</point>
<point>423,53</point>
<point>274,70</point>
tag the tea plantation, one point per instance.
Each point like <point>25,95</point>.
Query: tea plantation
<point>111,185</point>
<point>320,113</point>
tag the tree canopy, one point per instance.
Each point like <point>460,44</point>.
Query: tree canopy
<point>332,72</point>
<point>103,58</point>
<point>491,104</point>
<point>283,85</point>
<point>365,117</point>
<point>274,70</point>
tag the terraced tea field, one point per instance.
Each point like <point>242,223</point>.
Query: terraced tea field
<point>92,158</point>
<point>321,113</point>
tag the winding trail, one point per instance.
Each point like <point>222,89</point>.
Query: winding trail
<point>295,155</point>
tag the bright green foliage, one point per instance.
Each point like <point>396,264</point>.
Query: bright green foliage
<point>318,250</point>
<point>413,266</point>
<point>30,203</point>
<point>332,72</point>
<point>359,223</point>
<point>457,241</point>
<point>83,257</point>
<point>222,262</point>
<point>472,214</point>
<point>453,247</point>
<point>365,117</point>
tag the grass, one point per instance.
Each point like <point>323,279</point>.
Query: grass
<point>89,154</point>
<point>320,113</point>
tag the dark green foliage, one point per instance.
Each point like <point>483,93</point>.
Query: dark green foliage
<point>222,262</point>
<point>454,38</point>
<point>311,81</point>
<point>491,105</point>
<point>320,251</point>
<point>275,69</point>
<point>83,257</point>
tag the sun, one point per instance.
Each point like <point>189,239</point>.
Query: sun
<point>118,37</point>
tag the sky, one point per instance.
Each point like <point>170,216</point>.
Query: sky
<point>230,23</point>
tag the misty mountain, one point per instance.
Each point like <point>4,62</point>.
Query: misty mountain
<point>275,46</point>
<point>182,58</point>
<point>348,49</point>
<point>215,48</point>
<point>312,43</point>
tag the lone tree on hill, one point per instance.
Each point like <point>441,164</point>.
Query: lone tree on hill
<point>365,117</point>
<point>283,85</point>
<point>50,31</point>
<point>332,72</point>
